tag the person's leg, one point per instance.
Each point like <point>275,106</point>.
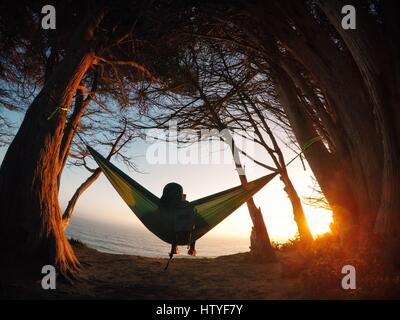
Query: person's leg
<point>192,249</point>
<point>174,246</point>
<point>174,249</point>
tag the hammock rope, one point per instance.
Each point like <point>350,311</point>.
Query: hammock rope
<point>306,146</point>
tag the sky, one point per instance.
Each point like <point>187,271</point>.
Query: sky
<point>202,169</point>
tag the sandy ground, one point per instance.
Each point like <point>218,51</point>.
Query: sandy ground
<point>109,276</point>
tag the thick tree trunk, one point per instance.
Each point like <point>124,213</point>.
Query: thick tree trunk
<point>348,95</point>
<point>379,77</point>
<point>335,72</point>
<point>30,219</point>
<point>325,167</point>
<point>333,131</point>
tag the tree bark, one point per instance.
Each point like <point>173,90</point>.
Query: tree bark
<point>260,243</point>
<point>298,212</point>
<point>71,127</point>
<point>325,167</point>
<point>379,77</point>
<point>31,226</point>
<point>335,72</point>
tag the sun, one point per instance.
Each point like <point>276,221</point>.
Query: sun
<point>319,220</point>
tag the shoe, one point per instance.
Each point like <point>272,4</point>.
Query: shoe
<point>192,252</point>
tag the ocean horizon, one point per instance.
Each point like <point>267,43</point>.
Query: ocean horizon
<point>133,240</point>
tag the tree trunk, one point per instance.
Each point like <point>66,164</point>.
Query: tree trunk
<point>260,245</point>
<point>277,156</point>
<point>31,226</point>
<point>67,215</point>
<point>298,212</point>
<point>379,77</point>
<point>72,126</point>
<point>335,72</point>
<point>325,167</point>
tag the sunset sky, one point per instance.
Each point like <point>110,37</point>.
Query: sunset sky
<point>101,201</point>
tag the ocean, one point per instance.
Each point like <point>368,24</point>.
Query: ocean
<point>133,240</point>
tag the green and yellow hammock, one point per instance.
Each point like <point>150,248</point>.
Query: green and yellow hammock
<point>210,210</point>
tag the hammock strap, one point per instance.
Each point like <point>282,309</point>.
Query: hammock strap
<point>171,255</point>
<point>305,147</point>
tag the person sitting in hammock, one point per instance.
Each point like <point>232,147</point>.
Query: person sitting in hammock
<point>174,202</point>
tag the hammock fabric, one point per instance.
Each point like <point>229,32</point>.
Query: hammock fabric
<point>210,210</point>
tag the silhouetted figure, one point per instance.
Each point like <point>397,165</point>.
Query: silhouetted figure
<point>174,201</point>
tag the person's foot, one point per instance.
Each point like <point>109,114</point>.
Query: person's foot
<point>192,252</point>
<point>175,250</point>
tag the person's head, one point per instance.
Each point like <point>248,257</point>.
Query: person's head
<point>172,195</point>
